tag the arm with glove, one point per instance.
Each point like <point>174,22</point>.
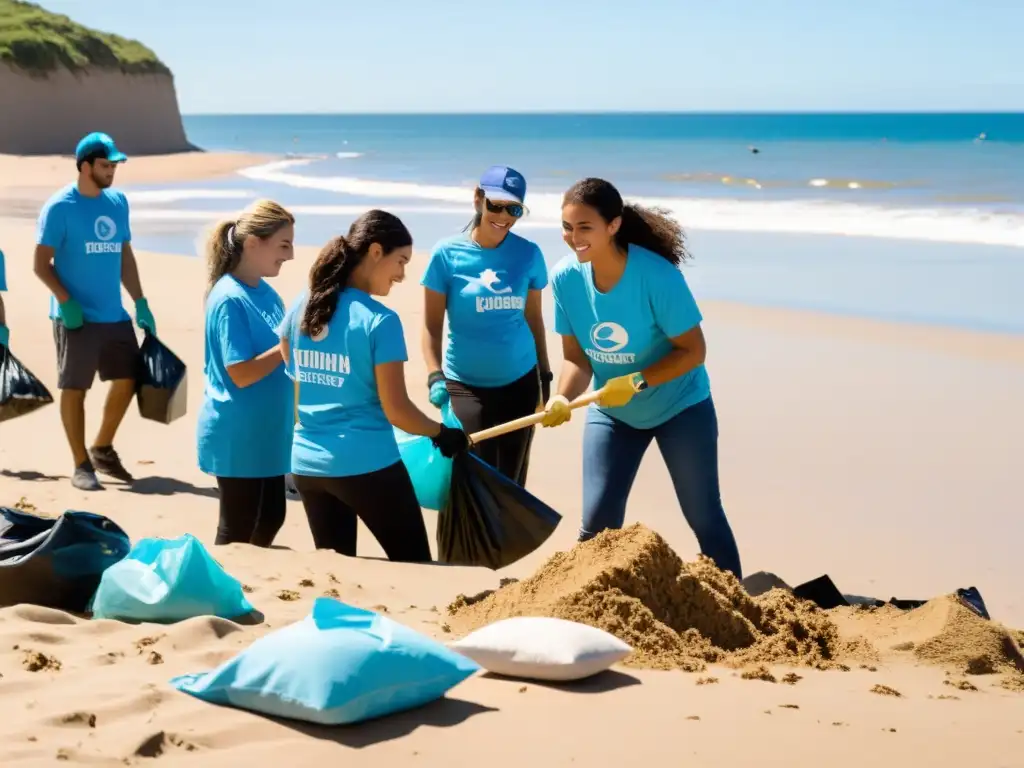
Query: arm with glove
<point>132,284</point>
<point>572,382</point>
<point>434,306</point>
<point>403,413</point>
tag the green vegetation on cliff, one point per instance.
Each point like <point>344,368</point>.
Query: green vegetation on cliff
<point>37,41</point>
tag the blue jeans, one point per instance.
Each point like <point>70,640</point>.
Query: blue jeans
<point>612,452</point>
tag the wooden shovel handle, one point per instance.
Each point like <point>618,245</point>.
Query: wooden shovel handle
<point>533,418</point>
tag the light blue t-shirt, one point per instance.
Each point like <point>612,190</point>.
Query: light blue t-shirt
<point>244,431</point>
<point>342,429</point>
<point>489,341</point>
<point>630,327</point>
<point>87,235</point>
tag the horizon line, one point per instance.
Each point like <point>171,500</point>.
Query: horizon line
<point>694,113</point>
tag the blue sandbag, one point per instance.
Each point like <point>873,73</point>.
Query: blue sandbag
<point>339,665</point>
<point>431,473</point>
<point>56,562</point>
<point>168,580</point>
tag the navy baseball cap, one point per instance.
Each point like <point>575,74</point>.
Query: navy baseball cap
<point>500,182</point>
<point>99,144</point>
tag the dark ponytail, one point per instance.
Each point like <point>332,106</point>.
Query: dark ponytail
<point>339,258</point>
<point>652,228</point>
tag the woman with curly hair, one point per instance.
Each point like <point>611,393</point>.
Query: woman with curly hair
<point>628,321</point>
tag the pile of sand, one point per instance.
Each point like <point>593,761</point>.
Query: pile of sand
<point>678,615</point>
<point>674,615</point>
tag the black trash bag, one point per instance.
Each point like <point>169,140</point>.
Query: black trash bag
<point>20,391</point>
<point>488,520</point>
<point>56,562</point>
<point>162,386</point>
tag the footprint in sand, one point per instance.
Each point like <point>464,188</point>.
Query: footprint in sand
<point>791,678</point>
<point>332,592</point>
<point>146,642</point>
<point>961,685</point>
<point>885,690</point>
<point>759,673</point>
<point>34,661</point>
<point>707,680</point>
<point>154,658</point>
<point>162,742</point>
<point>307,583</point>
<point>288,595</point>
<point>87,719</point>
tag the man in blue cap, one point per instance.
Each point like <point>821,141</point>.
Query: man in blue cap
<point>84,255</point>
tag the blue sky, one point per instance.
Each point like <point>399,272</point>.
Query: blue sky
<point>565,55</point>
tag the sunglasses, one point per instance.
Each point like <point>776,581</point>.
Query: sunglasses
<point>515,210</point>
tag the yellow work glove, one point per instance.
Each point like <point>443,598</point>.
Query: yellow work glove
<point>618,391</point>
<point>556,411</point>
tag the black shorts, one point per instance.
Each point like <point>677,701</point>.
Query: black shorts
<point>109,349</point>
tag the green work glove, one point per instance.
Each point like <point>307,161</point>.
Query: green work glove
<point>143,317</point>
<point>71,314</point>
<point>5,336</point>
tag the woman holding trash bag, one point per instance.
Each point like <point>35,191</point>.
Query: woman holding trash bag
<point>489,282</point>
<point>629,322</point>
<point>346,352</point>
<point>248,411</point>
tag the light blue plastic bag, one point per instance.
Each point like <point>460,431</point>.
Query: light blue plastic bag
<point>339,665</point>
<point>431,472</point>
<point>167,580</point>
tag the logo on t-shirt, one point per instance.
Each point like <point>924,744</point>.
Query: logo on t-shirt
<point>327,369</point>
<point>489,281</point>
<point>607,339</point>
<point>105,230</point>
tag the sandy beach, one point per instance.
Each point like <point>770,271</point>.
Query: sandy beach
<point>887,456</point>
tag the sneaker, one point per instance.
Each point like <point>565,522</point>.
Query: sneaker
<point>84,478</point>
<point>107,461</point>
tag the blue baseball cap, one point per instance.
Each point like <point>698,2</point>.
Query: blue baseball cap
<point>500,182</point>
<point>99,144</point>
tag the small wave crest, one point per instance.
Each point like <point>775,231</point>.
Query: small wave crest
<point>959,225</point>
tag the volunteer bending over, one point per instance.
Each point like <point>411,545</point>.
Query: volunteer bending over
<point>346,352</point>
<point>490,283</point>
<point>628,320</point>
<point>245,423</point>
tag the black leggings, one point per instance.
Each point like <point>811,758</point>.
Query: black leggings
<point>252,510</point>
<point>384,500</point>
<point>482,407</point>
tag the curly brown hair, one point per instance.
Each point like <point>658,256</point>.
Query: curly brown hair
<point>340,256</point>
<point>652,228</point>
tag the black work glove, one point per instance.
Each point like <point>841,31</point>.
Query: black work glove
<point>450,441</point>
<point>546,377</point>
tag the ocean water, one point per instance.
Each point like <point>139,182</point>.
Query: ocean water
<point>901,216</point>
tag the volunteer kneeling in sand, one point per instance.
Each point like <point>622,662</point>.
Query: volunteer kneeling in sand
<point>248,411</point>
<point>628,320</point>
<point>347,352</point>
<point>83,255</point>
<point>490,283</point>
